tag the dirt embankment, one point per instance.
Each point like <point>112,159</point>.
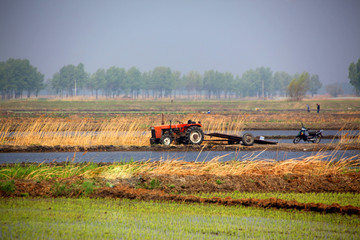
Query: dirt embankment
<point>252,183</point>
<point>111,148</point>
<point>179,188</point>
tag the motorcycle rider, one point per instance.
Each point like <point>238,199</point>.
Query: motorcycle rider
<point>306,133</point>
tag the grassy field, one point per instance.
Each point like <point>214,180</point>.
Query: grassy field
<point>131,219</point>
<point>179,106</point>
<point>33,203</point>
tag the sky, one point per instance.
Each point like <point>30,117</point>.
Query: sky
<point>317,36</point>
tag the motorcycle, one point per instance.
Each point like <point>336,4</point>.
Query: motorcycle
<point>313,136</point>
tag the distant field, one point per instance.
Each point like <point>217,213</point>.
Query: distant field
<point>334,114</point>
<point>178,106</point>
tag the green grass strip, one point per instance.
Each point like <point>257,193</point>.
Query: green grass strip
<point>343,199</point>
<point>128,219</point>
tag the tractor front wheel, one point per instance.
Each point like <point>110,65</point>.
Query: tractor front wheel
<point>194,135</point>
<point>166,139</point>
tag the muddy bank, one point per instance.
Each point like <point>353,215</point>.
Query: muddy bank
<point>206,183</point>
<point>251,183</point>
<point>308,147</point>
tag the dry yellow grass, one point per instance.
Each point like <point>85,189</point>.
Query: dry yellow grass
<point>319,164</point>
<point>348,137</point>
<point>48,132</point>
<point>307,166</point>
<point>314,165</point>
<point>87,132</point>
<point>134,129</point>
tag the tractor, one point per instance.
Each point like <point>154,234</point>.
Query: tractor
<point>183,133</point>
<point>191,133</point>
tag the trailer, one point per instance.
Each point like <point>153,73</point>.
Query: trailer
<point>246,139</point>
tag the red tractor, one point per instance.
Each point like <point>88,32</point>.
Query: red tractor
<point>185,133</point>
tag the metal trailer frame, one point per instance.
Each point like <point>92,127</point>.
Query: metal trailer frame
<point>234,139</point>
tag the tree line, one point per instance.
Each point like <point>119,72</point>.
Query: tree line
<point>18,76</point>
<point>163,82</point>
<point>354,76</point>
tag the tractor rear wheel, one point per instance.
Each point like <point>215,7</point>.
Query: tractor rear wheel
<point>194,135</point>
<point>166,139</point>
<point>248,139</point>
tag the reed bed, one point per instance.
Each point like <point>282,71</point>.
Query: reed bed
<point>349,138</point>
<point>315,165</point>
<point>89,132</point>
<point>219,123</point>
<point>135,129</point>
<point>318,164</point>
<point>47,132</point>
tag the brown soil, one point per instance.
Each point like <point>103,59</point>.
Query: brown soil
<point>179,188</point>
<point>208,147</point>
<point>255,183</point>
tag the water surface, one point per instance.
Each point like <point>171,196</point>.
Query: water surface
<point>155,156</point>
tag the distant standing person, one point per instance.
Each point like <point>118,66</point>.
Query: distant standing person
<point>308,107</point>
<point>318,108</point>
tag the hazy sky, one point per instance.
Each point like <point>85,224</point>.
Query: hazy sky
<point>318,36</point>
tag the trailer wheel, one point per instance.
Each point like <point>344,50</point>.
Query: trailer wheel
<point>166,139</point>
<point>248,139</point>
<point>194,135</point>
